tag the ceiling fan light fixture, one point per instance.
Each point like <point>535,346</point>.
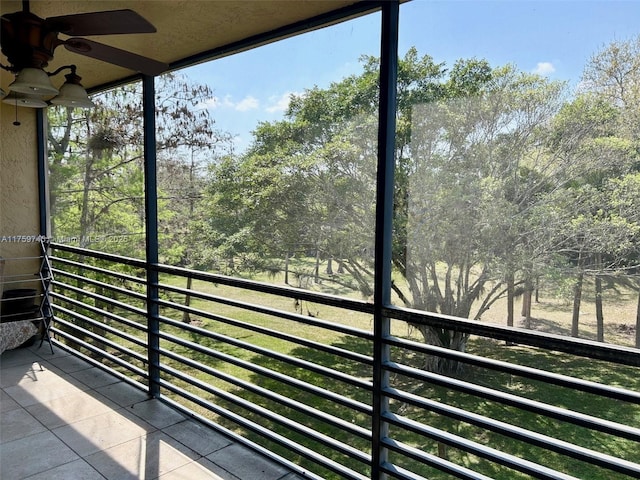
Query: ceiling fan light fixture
<point>24,100</point>
<point>33,81</point>
<point>72,94</point>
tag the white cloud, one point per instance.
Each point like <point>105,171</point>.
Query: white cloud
<point>281,103</point>
<point>247,103</point>
<point>544,68</point>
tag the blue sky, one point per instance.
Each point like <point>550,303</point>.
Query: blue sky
<point>554,38</point>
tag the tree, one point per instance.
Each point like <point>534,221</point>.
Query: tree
<point>623,195</point>
<point>499,182</point>
<point>96,163</point>
<point>465,175</point>
<point>97,157</point>
<point>614,73</point>
<point>598,131</point>
<point>258,204</point>
<point>480,168</point>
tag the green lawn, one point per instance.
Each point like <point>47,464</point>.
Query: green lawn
<point>551,311</point>
<point>562,397</point>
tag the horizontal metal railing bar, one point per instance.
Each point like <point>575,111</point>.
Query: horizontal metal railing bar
<point>276,397</point>
<point>33,276</point>
<point>114,331</point>
<point>556,342</point>
<point>92,268</point>
<point>547,341</point>
<point>512,431</point>
<point>522,403</point>
<point>99,338</point>
<point>428,459</point>
<point>280,377</point>
<point>134,262</point>
<point>622,355</point>
<point>266,433</point>
<point>394,471</point>
<point>236,437</point>
<point>25,277</point>
<point>97,283</point>
<point>289,292</point>
<point>7,318</point>
<point>102,366</point>
<point>497,456</point>
<point>100,311</point>
<point>520,370</point>
<point>132,368</point>
<point>24,297</point>
<point>267,414</point>
<point>358,357</point>
<point>297,362</point>
<point>102,298</point>
<point>6,259</point>
<point>356,332</point>
<point>263,371</point>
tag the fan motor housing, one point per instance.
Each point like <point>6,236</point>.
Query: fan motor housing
<point>26,41</point>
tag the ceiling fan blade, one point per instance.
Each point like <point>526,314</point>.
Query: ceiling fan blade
<point>116,56</point>
<point>100,23</point>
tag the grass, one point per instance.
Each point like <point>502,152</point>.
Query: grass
<point>551,315</point>
<point>561,397</point>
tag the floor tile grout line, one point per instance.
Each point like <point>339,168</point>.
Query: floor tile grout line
<point>120,403</point>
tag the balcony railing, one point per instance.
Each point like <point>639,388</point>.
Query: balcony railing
<point>290,372</point>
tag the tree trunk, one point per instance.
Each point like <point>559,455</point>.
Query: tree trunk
<point>510,295</point>
<point>510,300</point>
<point>598,299</point>
<point>329,270</point>
<point>599,314</point>
<point>186,316</point>
<point>59,148</point>
<point>442,450</point>
<point>84,212</point>
<point>316,272</point>
<point>447,339</point>
<point>286,268</point>
<point>526,304</point>
<point>577,298</point>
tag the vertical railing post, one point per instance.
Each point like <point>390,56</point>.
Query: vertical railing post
<point>151,233</point>
<point>384,226</point>
<point>44,223</point>
<point>43,200</point>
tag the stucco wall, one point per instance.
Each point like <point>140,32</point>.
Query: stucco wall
<point>19,209</point>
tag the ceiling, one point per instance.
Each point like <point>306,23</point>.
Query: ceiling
<point>184,28</point>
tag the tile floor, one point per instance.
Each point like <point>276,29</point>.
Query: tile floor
<point>62,418</point>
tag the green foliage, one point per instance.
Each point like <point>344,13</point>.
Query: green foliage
<point>500,174</point>
<point>497,176</point>
<point>96,164</point>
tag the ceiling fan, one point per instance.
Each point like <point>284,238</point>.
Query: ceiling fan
<point>29,41</point>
